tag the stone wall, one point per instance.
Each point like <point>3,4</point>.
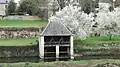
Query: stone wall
<point>19,32</point>
<point>20,17</point>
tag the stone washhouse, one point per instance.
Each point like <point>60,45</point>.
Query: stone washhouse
<point>56,43</point>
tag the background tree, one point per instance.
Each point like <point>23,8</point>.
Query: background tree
<point>11,8</point>
<point>26,7</point>
<point>78,22</point>
<point>81,24</point>
<point>34,7</point>
<point>108,22</point>
<point>87,5</point>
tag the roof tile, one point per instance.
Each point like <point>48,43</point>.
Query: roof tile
<point>56,29</point>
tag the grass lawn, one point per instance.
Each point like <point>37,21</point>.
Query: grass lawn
<point>93,41</point>
<point>93,47</point>
<point>18,42</point>
<point>99,39</point>
<point>23,23</point>
<point>81,63</point>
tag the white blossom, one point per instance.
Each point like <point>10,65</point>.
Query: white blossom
<point>108,22</point>
<point>75,19</point>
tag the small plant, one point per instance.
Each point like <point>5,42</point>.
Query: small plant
<point>27,64</point>
<point>8,65</point>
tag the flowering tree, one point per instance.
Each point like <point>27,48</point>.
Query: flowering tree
<point>108,22</point>
<point>76,20</point>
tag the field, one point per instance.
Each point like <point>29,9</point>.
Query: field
<point>99,39</point>
<point>92,42</point>
<point>81,63</point>
<point>18,42</point>
<point>23,23</point>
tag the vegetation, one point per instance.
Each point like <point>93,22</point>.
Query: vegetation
<point>18,42</point>
<point>93,47</point>
<point>82,63</point>
<point>11,8</point>
<point>34,7</point>
<point>95,42</point>
<point>26,7</point>
<point>89,40</point>
<point>20,23</point>
<point>98,39</point>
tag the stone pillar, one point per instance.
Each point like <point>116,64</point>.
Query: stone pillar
<point>41,47</point>
<point>71,48</point>
<point>57,52</point>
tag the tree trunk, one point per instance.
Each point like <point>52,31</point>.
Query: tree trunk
<point>110,37</point>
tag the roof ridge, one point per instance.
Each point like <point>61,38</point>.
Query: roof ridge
<point>55,29</point>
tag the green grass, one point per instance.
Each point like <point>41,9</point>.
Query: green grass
<point>93,47</point>
<point>81,63</point>
<point>23,23</point>
<point>99,39</point>
<point>92,42</point>
<point>18,42</point>
<point>91,63</point>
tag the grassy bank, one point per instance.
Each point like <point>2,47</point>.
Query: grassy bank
<point>93,47</point>
<point>81,63</point>
<point>23,23</point>
<point>94,43</point>
<point>18,41</point>
<point>98,39</point>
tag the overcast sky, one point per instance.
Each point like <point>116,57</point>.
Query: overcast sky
<point>16,1</point>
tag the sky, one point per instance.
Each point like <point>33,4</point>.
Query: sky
<point>17,1</point>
